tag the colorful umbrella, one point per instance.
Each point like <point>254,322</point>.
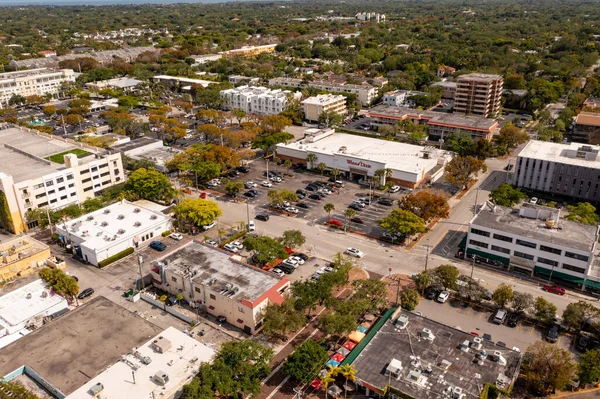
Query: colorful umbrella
<point>338,358</point>
<point>316,384</point>
<point>332,363</point>
<point>349,345</point>
<point>343,351</point>
<point>362,329</point>
<point>356,336</point>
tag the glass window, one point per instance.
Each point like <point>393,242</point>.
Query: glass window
<point>60,179</point>
<point>550,249</point>
<point>500,249</point>
<point>212,296</point>
<point>478,243</point>
<point>573,268</point>
<point>502,238</point>
<point>526,244</point>
<point>547,261</point>
<point>523,255</point>
<point>576,256</point>
<point>480,232</point>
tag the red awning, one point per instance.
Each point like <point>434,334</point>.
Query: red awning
<point>349,345</point>
<point>316,384</point>
<point>338,357</point>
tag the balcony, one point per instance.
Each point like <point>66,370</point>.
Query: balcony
<point>25,194</point>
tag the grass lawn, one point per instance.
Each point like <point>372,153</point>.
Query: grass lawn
<point>58,158</point>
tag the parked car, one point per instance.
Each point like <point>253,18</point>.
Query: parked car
<point>315,197</point>
<point>555,289</point>
<point>513,319</point>
<point>335,222</point>
<point>203,195</point>
<point>291,209</point>
<point>394,189</point>
<point>298,260</point>
<point>243,169</point>
<point>500,316</point>
<point>386,202</point>
<point>212,242</point>
<point>250,184</point>
<point>263,217</point>
<point>533,200</point>
<point>231,248</point>
<point>582,342</point>
<point>302,256</point>
<point>355,252</point>
<point>251,226</point>
<point>222,319</point>
<point>357,220</point>
<point>158,246</point>
<point>301,192</point>
<point>311,187</point>
<point>487,337</point>
<point>209,226</point>
<point>552,334</point>
<point>176,236</point>
<point>250,194</point>
<point>302,205</point>
<point>356,207</point>
<point>237,244</point>
<point>85,293</point>
<point>443,296</point>
<point>277,271</point>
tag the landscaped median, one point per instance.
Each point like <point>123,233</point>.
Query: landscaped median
<point>115,257</point>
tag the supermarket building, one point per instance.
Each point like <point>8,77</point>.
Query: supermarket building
<point>360,157</point>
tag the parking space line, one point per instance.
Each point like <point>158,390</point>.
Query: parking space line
<point>518,327</point>
<point>532,330</point>
<point>470,309</point>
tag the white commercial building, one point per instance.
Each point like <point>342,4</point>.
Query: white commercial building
<point>160,368</point>
<point>39,82</point>
<point>39,170</point>
<point>110,230</point>
<point>203,59</point>
<point>534,240</point>
<point>360,157</point>
<point>185,83</point>
<point>365,93</point>
<point>398,98</point>
<point>116,83</point>
<point>26,307</point>
<point>257,100</point>
<point>313,107</point>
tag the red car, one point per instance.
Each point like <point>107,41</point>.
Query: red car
<point>203,195</point>
<point>335,222</point>
<point>555,289</point>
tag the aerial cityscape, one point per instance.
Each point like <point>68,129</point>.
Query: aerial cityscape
<point>300,199</point>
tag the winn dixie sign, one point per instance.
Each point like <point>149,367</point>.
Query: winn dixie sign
<point>359,164</point>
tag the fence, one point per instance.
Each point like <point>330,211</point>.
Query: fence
<point>167,309</point>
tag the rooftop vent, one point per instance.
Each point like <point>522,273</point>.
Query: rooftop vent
<point>121,217</point>
<point>136,210</point>
<point>106,211</point>
<point>104,224</point>
<point>464,346</point>
<point>90,218</point>
<point>476,344</point>
<point>427,334</point>
<point>402,322</point>
<point>137,224</point>
<point>211,281</point>
<point>121,231</point>
<point>161,344</point>
<point>153,217</point>
<point>394,368</point>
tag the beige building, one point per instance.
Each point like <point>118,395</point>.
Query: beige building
<point>21,256</point>
<point>220,283</point>
<point>31,82</point>
<point>249,51</point>
<point>313,107</point>
<point>478,94</point>
<point>39,170</point>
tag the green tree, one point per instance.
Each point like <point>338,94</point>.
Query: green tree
<point>545,311</point>
<point>589,367</point>
<point>409,299</point>
<point>577,314</point>
<point>506,195</point>
<point>329,207</point>
<point>311,159</point>
<point>265,249</point>
<point>547,367</point>
<point>521,302</point>
<point>305,295</point>
<point>382,175</point>
<point>583,212</point>
<point>280,320</point>
<point>150,185</point>
<point>288,164</point>
<point>511,136</point>
<point>60,282</point>
<point>292,239</point>
<point>238,114</point>
<point>348,371</point>
<point>460,143</point>
<point>91,205</point>
<point>306,361</point>
<point>321,168</point>
<point>15,390</point>
<point>274,123</point>
<point>427,205</point>
<point>337,324</point>
<point>503,295</point>
<point>370,294</point>
<point>422,281</point>
<point>446,276</point>
<point>400,221</point>
<point>349,213</point>
<point>462,170</point>
<point>233,188</point>
<point>197,211</point>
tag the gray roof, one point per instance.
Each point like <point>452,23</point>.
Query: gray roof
<point>571,234</point>
<point>481,77</point>
<point>450,366</point>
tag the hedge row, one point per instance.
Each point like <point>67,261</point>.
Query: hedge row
<point>166,233</point>
<point>116,257</point>
<point>233,238</point>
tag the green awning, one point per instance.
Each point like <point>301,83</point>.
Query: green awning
<point>558,275</point>
<point>592,284</point>
<point>463,243</point>
<point>370,334</point>
<point>483,254</point>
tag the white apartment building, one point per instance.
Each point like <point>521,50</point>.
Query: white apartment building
<point>29,180</point>
<point>112,229</point>
<point>399,98</point>
<point>257,100</point>
<point>39,81</point>
<point>205,58</point>
<point>365,93</point>
<point>313,107</point>
<point>534,240</point>
<point>220,283</point>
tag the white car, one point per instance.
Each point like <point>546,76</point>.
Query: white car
<point>231,248</point>
<point>324,269</point>
<point>533,200</point>
<point>250,184</point>
<point>443,297</point>
<point>176,236</point>
<point>237,244</point>
<point>212,183</point>
<point>277,272</point>
<point>209,226</point>
<point>266,184</point>
<point>212,242</point>
<point>394,189</point>
<point>276,179</point>
<point>291,262</point>
<point>355,252</point>
<point>251,226</point>
<point>291,209</point>
<point>286,204</point>
<point>300,261</point>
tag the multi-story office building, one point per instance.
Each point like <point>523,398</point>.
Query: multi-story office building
<point>587,128</point>
<point>570,170</point>
<point>39,81</point>
<point>40,171</point>
<point>365,93</point>
<point>257,100</point>
<point>478,94</point>
<point>313,107</point>
<point>398,98</point>
<point>534,240</point>
<point>249,51</point>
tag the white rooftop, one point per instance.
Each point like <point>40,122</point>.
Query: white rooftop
<point>118,82</point>
<point>398,156</point>
<point>323,99</point>
<point>181,362</point>
<point>572,154</point>
<point>122,220</point>
<point>203,83</point>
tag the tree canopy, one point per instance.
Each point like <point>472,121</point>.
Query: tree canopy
<point>506,195</point>
<point>197,211</point>
<point>151,185</point>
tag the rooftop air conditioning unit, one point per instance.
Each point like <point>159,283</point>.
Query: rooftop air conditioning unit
<point>161,345</point>
<point>137,224</point>
<point>90,218</point>
<point>121,231</point>
<point>136,210</point>
<point>106,211</point>
<point>153,217</point>
<point>121,217</point>
<point>104,224</point>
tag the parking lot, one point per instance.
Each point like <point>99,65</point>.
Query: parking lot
<point>478,318</point>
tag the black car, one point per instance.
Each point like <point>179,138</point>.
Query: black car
<point>582,342</point>
<point>552,334</point>
<point>302,256</point>
<point>432,292</point>
<point>302,205</point>
<point>249,194</point>
<point>513,319</point>
<point>233,173</point>
<point>357,220</point>
<point>243,169</point>
<point>311,188</point>
<point>487,337</point>
<point>315,197</point>
<point>386,202</point>
<point>221,319</point>
<point>85,293</point>
<point>301,192</point>
<point>356,207</point>
<point>318,183</point>
<point>263,217</point>
<point>500,343</point>
<point>158,246</point>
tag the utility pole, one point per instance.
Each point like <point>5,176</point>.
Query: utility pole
<point>473,266</point>
<point>140,261</point>
<point>247,214</point>
<point>49,220</point>
<point>427,255</point>
<point>476,198</point>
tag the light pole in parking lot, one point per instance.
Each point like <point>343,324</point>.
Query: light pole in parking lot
<point>427,254</point>
<point>473,265</point>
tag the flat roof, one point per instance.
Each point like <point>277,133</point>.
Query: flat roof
<point>181,362</point>
<point>588,119</point>
<point>117,82</point>
<point>26,302</point>
<point>572,234</point>
<point>450,366</point>
<point>136,143</point>
<point>201,82</point>
<point>122,220</point>
<point>560,153</point>
<point>211,263</point>
<point>322,99</point>
<point>483,77</point>
<point>398,156</point>
<point>434,118</point>
<point>73,349</point>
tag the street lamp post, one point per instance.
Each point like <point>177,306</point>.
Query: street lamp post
<point>476,198</point>
<point>552,271</point>
<point>473,266</point>
<point>427,255</point>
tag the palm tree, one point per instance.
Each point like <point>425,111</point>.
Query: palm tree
<point>221,233</point>
<point>335,172</point>
<point>326,381</point>
<point>288,164</point>
<point>348,215</point>
<point>349,372</point>
<point>321,168</point>
<point>311,158</point>
<point>276,161</point>
<point>383,174</point>
<point>329,207</point>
